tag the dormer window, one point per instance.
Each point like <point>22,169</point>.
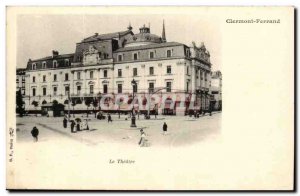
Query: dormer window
<point>33,66</point>
<point>44,64</point>
<point>54,64</point>
<point>67,63</point>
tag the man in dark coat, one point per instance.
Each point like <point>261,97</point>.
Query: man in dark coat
<point>109,118</point>
<point>72,126</point>
<point>35,133</point>
<point>65,123</point>
<point>165,128</point>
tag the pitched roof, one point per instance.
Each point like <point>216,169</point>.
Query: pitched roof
<point>150,46</point>
<point>106,36</point>
<point>56,57</point>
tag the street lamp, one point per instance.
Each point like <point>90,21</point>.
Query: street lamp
<point>133,83</point>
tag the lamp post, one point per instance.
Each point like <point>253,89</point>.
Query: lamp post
<point>133,83</point>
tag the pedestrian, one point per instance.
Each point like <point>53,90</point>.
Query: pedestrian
<point>109,118</point>
<point>35,133</point>
<point>165,128</point>
<point>65,122</point>
<point>77,126</point>
<point>143,138</point>
<point>72,126</point>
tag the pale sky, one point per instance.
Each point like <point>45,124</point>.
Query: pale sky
<point>38,35</point>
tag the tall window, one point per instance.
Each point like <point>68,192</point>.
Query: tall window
<point>44,91</point>
<point>105,73</point>
<point>91,89</point>
<point>78,75</point>
<point>33,66</point>
<point>120,57</point>
<point>169,69</point>
<point>151,87</point>
<point>44,78</point>
<point>54,90</point>
<point>66,76</point>
<point>169,53</point>
<point>54,77</point>
<point>119,88</point>
<point>151,70</point>
<point>134,71</point>
<point>44,65</point>
<point>33,92</point>
<point>105,88</point>
<point>135,88</point>
<point>187,70</point>
<point>205,76</point>
<point>67,90</point>
<point>151,55</point>
<point>33,79</point>
<point>187,86</point>
<point>91,74</point>
<point>119,72</point>
<point>135,56</point>
<point>78,90</point>
<point>169,86</point>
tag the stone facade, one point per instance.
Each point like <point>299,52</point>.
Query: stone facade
<point>107,63</point>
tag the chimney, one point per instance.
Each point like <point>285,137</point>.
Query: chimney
<point>163,36</point>
<point>54,53</point>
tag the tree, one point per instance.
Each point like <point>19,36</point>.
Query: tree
<point>95,105</point>
<point>20,103</point>
<point>36,104</point>
<point>87,102</point>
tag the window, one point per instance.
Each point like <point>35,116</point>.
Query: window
<point>169,69</point>
<point>91,74</point>
<point>205,76</point>
<point>169,86</point>
<point>91,89</point>
<point>44,78</point>
<point>214,92</point>
<point>54,64</point>
<point>119,72</point>
<point>17,80</point>
<point>67,62</point>
<point>44,91</point>
<point>33,79</point>
<point>44,65</point>
<point>105,73</point>
<point>105,88</point>
<point>134,71</point>
<point>66,76</point>
<point>151,87</point>
<point>54,77</point>
<point>151,55</point>
<point>78,75</point>
<point>67,90</point>
<point>119,88</point>
<point>151,70</point>
<point>135,56</point>
<point>187,86</point>
<point>169,53</point>
<point>78,90</point>
<point>33,92</point>
<point>187,70</point>
<point>54,90</point>
<point>33,66</point>
<point>120,57</point>
<point>135,87</point>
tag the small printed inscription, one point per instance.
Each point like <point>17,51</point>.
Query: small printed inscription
<point>253,21</point>
<point>11,144</point>
<point>121,161</point>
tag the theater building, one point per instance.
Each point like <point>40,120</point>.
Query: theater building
<point>106,64</point>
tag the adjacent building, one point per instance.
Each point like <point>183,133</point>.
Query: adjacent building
<point>105,64</point>
<point>20,80</point>
<point>216,89</point>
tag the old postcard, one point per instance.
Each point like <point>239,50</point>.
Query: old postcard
<point>150,98</point>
